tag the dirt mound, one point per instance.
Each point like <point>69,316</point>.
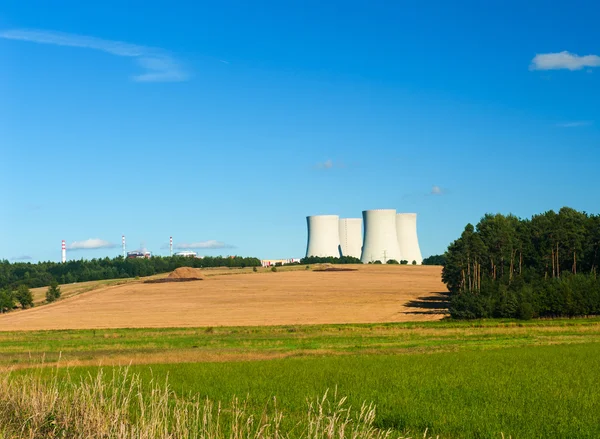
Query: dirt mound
<point>335,269</point>
<point>186,273</point>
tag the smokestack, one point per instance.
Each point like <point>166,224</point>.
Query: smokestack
<point>170,246</point>
<point>123,245</point>
<point>64,252</point>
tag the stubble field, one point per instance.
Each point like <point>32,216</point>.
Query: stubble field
<point>371,294</point>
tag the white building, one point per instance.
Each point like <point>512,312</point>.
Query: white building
<point>323,236</point>
<point>351,239</point>
<point>406,229</point>
<point>381,240</point>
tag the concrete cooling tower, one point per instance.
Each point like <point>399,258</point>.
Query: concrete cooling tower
<point>351,237</point>
<point>380,241</point>
<point>323,236</point>
<point>406,229</point>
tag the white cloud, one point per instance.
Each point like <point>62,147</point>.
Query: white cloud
<point>563,60</point>
<point>90,244</point>
<point>211,244</point>
<point>21,258</point>
<point>575,124</point>
<point>436,190</point>
<point>159,66</point>
<point>327,164</point>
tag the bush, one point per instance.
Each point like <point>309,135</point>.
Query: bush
<point>24,297</point>
<point>469,306</point>
<point>254,269</point>
<point>526,311</point>
<point>414,262</point>
<point>307,268</point>
<point>377,262</point>
<point>274,269</point>
<point>392,262</point>
<point>53,292</point>
<point>403,262</point>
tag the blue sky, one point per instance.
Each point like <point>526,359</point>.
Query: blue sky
<point>229,123</point>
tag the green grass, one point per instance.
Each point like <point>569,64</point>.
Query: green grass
<point>201,344</point>
<point>532,392</point>
<point>457,379</point>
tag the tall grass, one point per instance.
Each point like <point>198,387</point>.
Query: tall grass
<point>121,406</point>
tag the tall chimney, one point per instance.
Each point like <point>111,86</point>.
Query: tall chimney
<point>64,252</point>
<point>123,245</point>
<point>170,246</point>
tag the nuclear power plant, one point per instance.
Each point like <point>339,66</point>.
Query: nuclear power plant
<point>381,235</point>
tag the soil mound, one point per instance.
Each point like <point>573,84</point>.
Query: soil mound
<point>186,273</point>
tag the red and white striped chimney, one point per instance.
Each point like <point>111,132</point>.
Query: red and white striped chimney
<point>64,252</point>
<point>123,245</point>
<point>170,246</point>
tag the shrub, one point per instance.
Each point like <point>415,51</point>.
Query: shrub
<point>526,311</point>
<point>377,262</point>
<point>414,262</point>
<point>404,262</point>
<point>307,268</point>
<point>254,269</point>
<point>273,269</point>
<point>392,262</point>
<point>53,292</point>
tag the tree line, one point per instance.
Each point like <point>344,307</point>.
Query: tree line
<point>44,273</point>
<point>545,266</point>
<point>329,260</point>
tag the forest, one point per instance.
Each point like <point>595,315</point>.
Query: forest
<point>507,267</point>
<point>43,273</point>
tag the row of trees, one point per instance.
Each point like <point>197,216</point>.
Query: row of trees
<point>43,273</point>
<point>511,267</point>
<point>22,296</point>
<point>330,260</point>
<point>435,260</point>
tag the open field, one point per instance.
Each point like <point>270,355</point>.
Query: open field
<point>185,345</point>
<point>288,297</point>
<point>456,379</point>
<point>524,392</point>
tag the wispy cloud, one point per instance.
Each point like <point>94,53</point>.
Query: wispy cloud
<point>211,244</point>
<point>22,258</point>
<point>575,124</point>
<point>563,60</point>
<point>158,65</point>
<point>329,164</point>
<point>90,244</point>
<point>436,190</point>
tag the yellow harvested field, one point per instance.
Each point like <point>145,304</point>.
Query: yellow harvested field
<point>373,293</point>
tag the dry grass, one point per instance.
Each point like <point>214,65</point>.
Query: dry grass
<point>120,407</point>
<point>371,294</point>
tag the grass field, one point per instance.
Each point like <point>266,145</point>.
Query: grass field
<point>176,345</point>
<point>523,392</point>
<point>370,294</point>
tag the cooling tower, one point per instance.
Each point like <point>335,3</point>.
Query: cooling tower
<point>323,236</point>
<point>406,229</point>
<point>380,241</point>
<point>351,237</point>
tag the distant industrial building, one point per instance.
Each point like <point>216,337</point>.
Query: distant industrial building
<point>137,254</point>
<point>187,254</point>
<point>273,262</point>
